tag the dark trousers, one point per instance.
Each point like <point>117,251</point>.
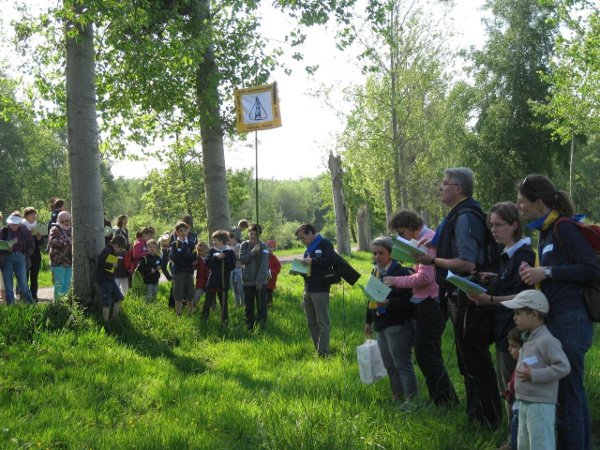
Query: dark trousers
<point>473,332</point>
<point>33,272</point>
<point>256,300</point>
<point>270,296</point>
<point>429,325</point>
<point>210,298</point>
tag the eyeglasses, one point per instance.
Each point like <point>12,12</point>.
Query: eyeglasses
<point>444,183</point>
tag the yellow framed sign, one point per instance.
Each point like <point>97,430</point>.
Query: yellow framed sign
<point>257,108</point>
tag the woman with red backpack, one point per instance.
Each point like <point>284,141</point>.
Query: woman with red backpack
<point>566,262</point>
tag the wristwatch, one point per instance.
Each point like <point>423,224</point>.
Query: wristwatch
<point>548,272</point>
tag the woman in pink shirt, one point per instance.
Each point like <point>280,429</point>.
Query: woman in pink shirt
<point>429,321</point>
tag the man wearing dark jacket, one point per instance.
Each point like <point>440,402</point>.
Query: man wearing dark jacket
<point>461,241</point>
<point>320,257</point>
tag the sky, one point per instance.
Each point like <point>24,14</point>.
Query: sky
<point>309,126</point>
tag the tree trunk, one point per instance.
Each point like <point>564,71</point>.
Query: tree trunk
<point>207,89</point>
<point>341,215</point>
<point>387,195</point>
<point>363,223</point>
<point>84,158</point>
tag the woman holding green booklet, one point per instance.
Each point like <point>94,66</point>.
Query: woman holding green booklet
<point>392,320</point>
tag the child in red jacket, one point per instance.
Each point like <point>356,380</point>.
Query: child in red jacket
<point>274,269</point>
<point>202,271</point>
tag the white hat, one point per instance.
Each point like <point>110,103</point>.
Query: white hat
<point>531,298</point>
<point>14,220</point>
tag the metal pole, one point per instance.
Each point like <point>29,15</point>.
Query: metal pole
<point>256,171</point>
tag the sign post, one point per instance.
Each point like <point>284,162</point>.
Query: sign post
<point>257,108</point>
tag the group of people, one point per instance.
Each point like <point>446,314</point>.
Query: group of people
<point>533,310</point>
<point>21,257</point>
<point>247,267</point>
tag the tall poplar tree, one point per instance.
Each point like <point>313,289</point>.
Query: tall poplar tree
<point>512,139</point>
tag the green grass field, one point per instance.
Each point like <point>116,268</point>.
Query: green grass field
<point>157,381</point>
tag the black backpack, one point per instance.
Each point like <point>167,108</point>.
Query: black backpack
<point>493,251</point>
<point>341,270</point>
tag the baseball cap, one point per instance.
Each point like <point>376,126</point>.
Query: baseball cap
<point>531,298</point>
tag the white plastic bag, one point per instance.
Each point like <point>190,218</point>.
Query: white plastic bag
<point>370,364</point>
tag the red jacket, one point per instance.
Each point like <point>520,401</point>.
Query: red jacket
<point>139,251</point>
<point>274,268</point>
<point>202,271</point>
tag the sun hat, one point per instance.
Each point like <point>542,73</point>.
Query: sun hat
<point>14,220</point>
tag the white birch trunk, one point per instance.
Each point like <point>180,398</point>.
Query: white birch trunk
<point>84,160</point>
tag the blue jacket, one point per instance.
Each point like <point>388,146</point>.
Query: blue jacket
<point>573,264</point>
<point>218,277</point>
<point>400,309</point>
<point>323,259</point>
<point>508,282</point>
<point>183,257</point>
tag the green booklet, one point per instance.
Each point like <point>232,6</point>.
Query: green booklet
<point>8,245</point>
<point>467,286</point>
<point>298,268</point>
<point>376,290</point>
<point>403,250</point>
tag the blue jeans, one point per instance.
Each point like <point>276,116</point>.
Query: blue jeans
<point>514,429</point>
<point>574,330</point>
<point>237,286</point>
<point>15,265</point>
<point>395,345</point>
<point>62,280</point>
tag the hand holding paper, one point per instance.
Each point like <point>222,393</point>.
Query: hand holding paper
<point>299,268</point>
<point>376,290</point>
<point>405,250</point>
<point>465,285</point>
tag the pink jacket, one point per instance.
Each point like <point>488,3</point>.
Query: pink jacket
<point>422,281</point>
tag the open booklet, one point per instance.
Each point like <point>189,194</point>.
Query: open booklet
<point>375,289</point>
<point>403,250</point>
<point>299,269</point>
<point>467,286</point>
<point>41,230</point>
<point>8,245</point>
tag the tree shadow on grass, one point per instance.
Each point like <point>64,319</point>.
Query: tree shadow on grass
<point>127,333</point>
